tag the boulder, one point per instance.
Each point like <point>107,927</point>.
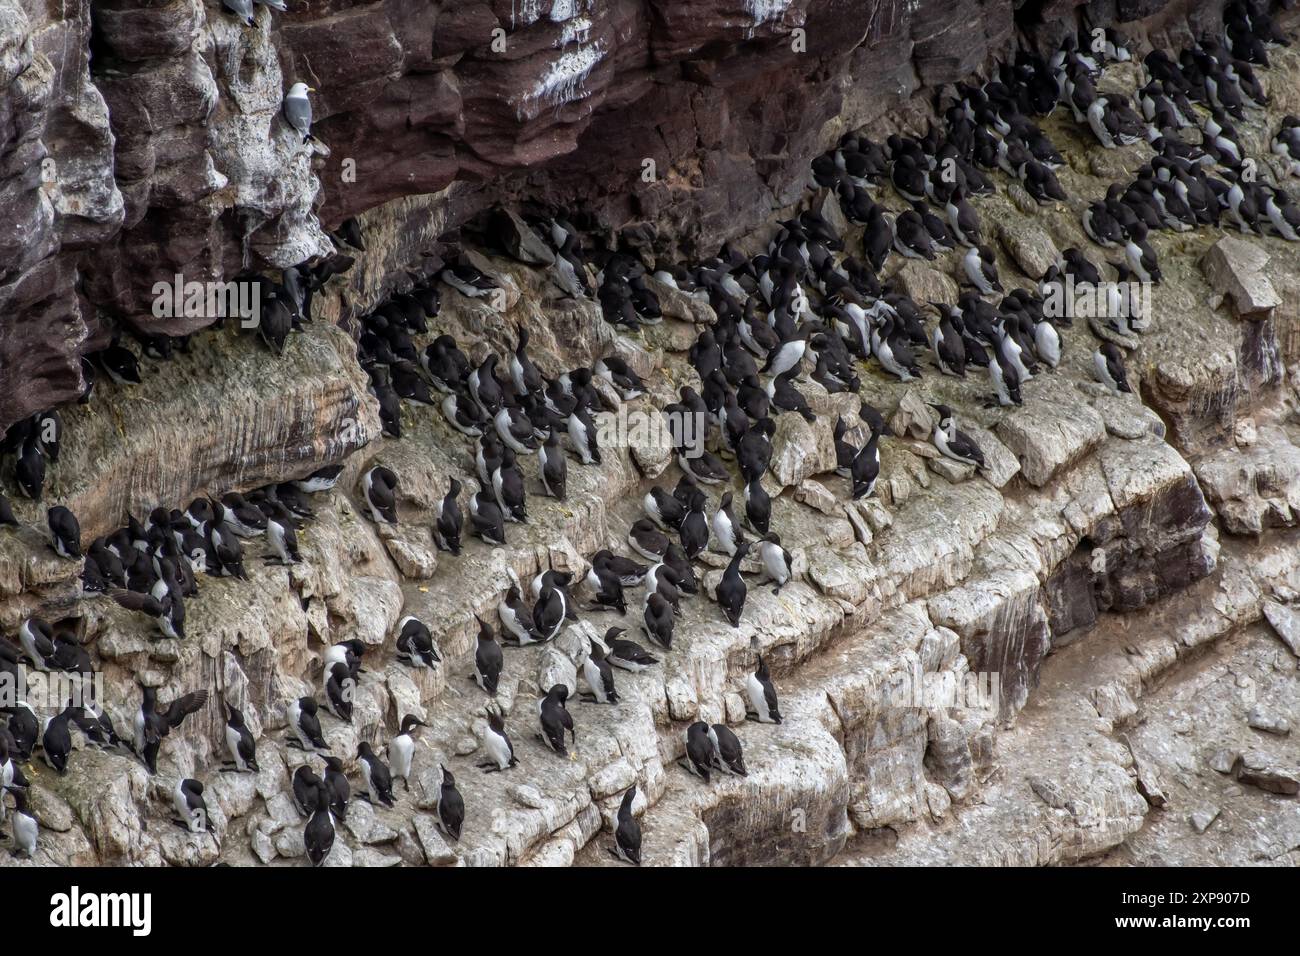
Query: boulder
<point>1236,268</point>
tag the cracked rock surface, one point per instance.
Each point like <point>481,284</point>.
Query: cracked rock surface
<point>1116,602</point>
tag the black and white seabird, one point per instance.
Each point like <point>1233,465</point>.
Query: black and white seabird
<point>657,621</point>
<point>754,447</point>
<point>962,218</point>
<point>449,523</point>
<point>523,373</point>
<point>1139,255</point>
<point>322,479</point>
<point>947,343</point>
<point>981,268</point>
<point>664,509</point>
<point>318,836</point>
<point>450,807</point>
<point>24,728</point>
<point>1101,227</point>
<point>695,527</point>
<point>951,442</point>
<point>56,741</point>
<point>550,611</point>
<point>627,832</point>
<point>36,637</point>
<point>776,561</point>
<point>97,726</point>
<point>463,415</point>
<point>415,643</point>
<point>379,486</point>
<point>488,659</point>
<point>66,532</point>
<point>517,619</point>
<point>555,719</point>
<point>303,786</point>
<point>242,518</point>
<point>605,563</point>
<point>304,725</point>
<point>647,540</point>
<point>1005,379</point>
<point>727,753</point>
<point>663,580</point>
<point>762,696</point>
<point>467,279</point>
<point>191,810</point>
<point>152,724</point>
<point>625,654</point>
<point>280,533</point>
<point>515,429</point>
<point>26,826</point>
<point>120,364</point>
<point>606,584</point>
<point>349,652</point>
<point>339,691</point>
<point>375,775</point>
<point>1108,367</point>
<point>1047,342</point>
<point>487,519</point>
<point>500,751</point>
<point>401,749</point>
<point>620,375</point>
<point>730,591</point>
<point>582,435</point>
<point>911,238</point>
<point>758,506</point>
<point>865,466</point>
<point>703,466</point>
<point>29,471</point>
<point>507,482</point>
<point>726,529</point>
<point>337,786</point>
<point>553,466</point>
<point>484,386</point>
<point>240,743</point>
<point>599,675</point>
<point>699,758</point>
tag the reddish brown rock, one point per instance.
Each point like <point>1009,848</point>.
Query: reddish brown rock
<point>192,171</point>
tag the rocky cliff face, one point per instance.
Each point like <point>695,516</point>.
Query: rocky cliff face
<point>1117,570</point>
<point>143,139</point>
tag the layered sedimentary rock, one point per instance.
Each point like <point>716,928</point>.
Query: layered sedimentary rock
<point>1040,663</point>
<point>673,123</point>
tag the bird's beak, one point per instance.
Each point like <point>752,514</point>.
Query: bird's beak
<point>311,89</point>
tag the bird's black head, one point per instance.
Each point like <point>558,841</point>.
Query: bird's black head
<point>943,411</point>
<point>410,722</point>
